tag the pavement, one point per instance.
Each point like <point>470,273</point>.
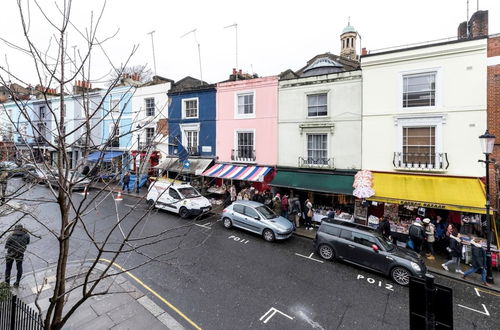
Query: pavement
<point>124,307</point>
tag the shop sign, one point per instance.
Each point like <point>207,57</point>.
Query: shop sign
<point>423,204</point>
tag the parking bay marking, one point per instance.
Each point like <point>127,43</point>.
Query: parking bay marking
<point>373,281</point>
<point>475,310</point>
<point>310,257</point>
<point>205,225</point>
<point>237,239</point>
<point>270,313</point>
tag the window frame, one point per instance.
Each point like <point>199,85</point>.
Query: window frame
<point>42,112</point>
<point>237,114</point>
<point>147,107</point>
<point>184,108</point>
<point>317,93</point>
<point>149,140</point>
<point>438,88</point>
<point>115,109</point>
<point>327,147</point>
<point>254,139</point>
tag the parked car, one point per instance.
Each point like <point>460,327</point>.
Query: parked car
<point>182,199</point>
<point>78,180</point>
<point>365,247</point>
<point>35,174</point>
<point>12,168</point>
<point>257,218</point>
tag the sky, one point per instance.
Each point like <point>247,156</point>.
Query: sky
<point>273,35</point>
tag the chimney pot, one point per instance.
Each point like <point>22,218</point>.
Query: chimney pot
<point>234,71</point>
<point>364,51</point>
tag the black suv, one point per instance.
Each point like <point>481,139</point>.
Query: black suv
<point>365,247</point>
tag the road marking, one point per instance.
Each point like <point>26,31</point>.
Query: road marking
<point>165,301</point>
<point>270,313</point>
<point>310,257</point>
<point>477,292</point>
<point>487,291</point>
<point>475,310</point>
<point>204,226</point>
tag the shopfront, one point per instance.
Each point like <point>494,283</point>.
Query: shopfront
<point>329,192</point>
<point>191,171</point>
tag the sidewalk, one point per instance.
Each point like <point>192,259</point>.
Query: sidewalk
<point>114,187</point>
<point>124,307</point>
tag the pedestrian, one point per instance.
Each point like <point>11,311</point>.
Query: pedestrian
<point>126,182</point>
<point>308,214</point>
<point>478,260</point>
<point>232,192</point>
<point>441,227</point>
<point>4,176</point>
<point>417,235</point>
<point>429,238</point>
<point>16,246</point>
<point>284,206</point>
<point>454,249</point>
<point>384,228</point>
<point>268,198</point>
<point>276,206</point>
<point>296,211</point>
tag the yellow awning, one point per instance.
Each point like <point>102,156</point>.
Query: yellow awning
<point>438,192</point>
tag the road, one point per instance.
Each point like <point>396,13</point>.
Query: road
<point>230,279</point>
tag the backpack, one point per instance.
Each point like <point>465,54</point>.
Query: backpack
<point>416,231</point>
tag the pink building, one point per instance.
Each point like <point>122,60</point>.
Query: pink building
<point>247,121</point>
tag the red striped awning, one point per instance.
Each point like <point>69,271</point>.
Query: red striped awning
<point>238,172</point>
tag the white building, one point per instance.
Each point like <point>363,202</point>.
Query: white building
<point>424,108</point>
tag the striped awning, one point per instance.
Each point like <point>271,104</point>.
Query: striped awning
<point>238,172</point>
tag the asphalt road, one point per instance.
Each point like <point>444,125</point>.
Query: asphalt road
<point>230,279</point>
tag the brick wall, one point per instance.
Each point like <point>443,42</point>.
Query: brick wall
<point>493,101</point>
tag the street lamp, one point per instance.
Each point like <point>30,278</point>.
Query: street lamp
<point>138,127</point>
<point>487,143</point>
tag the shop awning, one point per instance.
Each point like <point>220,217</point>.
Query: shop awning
<point>237,172</point>
<point>196,165</point>
<point>438,192</point>
<point>107,156</point>
<point>313,181</point>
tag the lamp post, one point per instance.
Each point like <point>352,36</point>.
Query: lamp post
<point>138,166</point>
<point>487,143</point>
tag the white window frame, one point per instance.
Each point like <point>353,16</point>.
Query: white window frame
<point>146,106</point>
<point>245,130</point>
<point>306,147</point>
<point>146,134</point>
<point>237,115</point>
<point>184,107</point>
<point>189,127</point>
<point>112,98</point>
<point>42,109</point>
<point>327,92</point>
<point>436,121</point>
<point>111,127</point>
<point>438,94</point>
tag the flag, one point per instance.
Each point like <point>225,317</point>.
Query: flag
<point>181,151</point>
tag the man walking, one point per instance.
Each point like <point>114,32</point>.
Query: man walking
<point>4,176</point>
<point>126,182</point>
<point>16,246</point>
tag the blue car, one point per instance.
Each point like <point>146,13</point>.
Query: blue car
<point>257,218</point>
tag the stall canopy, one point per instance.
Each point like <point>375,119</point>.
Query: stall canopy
<point>237,172</point>
<point>439,192</point>
<point>196,165</point>
<point>107,156</point>
<point>313,181</point>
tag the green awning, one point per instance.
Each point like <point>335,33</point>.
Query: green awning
<point>320,182</point>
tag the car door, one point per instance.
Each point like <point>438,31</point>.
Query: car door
<point>252,220</point>
<point>343,244</point>
<point>363,252</point>
<point>238,216</point>
<point>170,200</point>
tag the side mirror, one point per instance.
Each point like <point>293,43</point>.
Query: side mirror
<point>375,248</point>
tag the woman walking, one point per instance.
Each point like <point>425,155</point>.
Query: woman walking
<point>308,214</point>
<point>455,249</point>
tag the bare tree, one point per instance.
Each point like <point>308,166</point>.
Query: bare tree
<point>53,68</point>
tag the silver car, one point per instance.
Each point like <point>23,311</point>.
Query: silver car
<point>78,180</point>
<point>257,218</point>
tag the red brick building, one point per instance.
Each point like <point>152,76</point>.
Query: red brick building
<point>493,94</point>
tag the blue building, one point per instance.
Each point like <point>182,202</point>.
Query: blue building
<point>191,121</point>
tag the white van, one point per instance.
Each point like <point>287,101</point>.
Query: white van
<point>178,198</point>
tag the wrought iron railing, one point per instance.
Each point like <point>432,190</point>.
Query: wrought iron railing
<point>243,154</point>
<point>421,161</point>
<point>15,314</point>
<point>193,151</point>
<point>316,162</point>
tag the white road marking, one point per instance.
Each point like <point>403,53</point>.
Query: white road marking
<point>475,310</point>
<point>270,313</point>
<point>310,257</point>
<point>477,292</point>
<point>203,226</point>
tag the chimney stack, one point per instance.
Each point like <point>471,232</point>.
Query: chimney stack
<point>476,27</point>
<point>364,51</point>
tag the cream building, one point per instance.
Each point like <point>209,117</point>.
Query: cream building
<point>424,108</point>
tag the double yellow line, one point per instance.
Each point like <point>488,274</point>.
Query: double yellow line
<point>165,301</point>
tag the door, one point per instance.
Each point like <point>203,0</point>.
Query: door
<point>238,216</point>
<point>343,244</point>
<point>171,200</point>
<point>363,254</point>
<point>252,220</point>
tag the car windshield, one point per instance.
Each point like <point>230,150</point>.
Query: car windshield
<point>388,245</point>
<point>189,192</point>
<point>266,212</point>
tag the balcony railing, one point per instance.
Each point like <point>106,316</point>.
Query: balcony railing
<point>316,162</point>
<point>421,161</point>
<point>243,154</point>
<point>192,151</point>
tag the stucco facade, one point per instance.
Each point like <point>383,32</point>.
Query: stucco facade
<point>452,107</point>
<point>341,123</point>
<point>247,110</point>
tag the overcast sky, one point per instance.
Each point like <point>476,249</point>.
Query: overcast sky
<point>273,35</point>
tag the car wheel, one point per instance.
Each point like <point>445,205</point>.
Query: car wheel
<point>400,275</point>
<point>268,235</point>
<point>183,212</point>
<point>227,223</point>
<point>326,252</point>
<point>151,202</point>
